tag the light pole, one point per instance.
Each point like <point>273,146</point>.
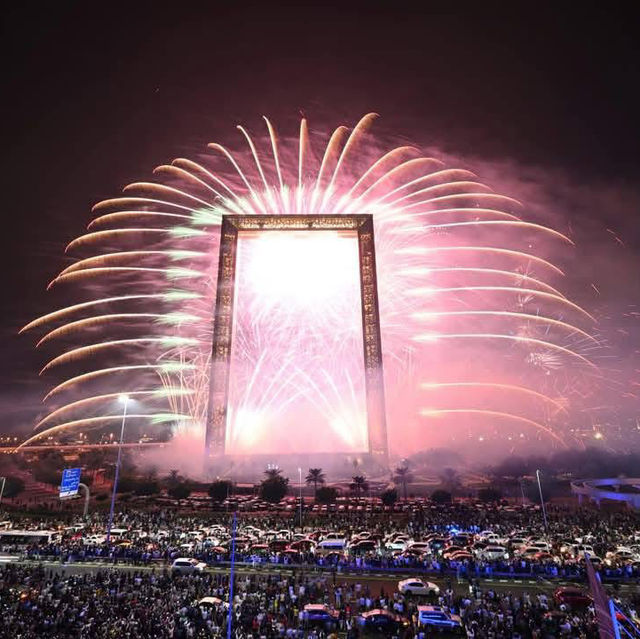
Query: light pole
<point>300,495</point>
<point>124,400</point>
<point>544,510</point>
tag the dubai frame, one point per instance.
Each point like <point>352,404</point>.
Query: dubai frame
<point>232,226</point>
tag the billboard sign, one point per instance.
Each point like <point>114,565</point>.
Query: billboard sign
<point>70,482</point>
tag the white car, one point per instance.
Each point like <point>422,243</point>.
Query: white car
<point>621,554</point>
<point>517,542</point>
<point>334,536</point>
<point>186,566</point>
<point>400,544</point>
<point>528,552</point>
<point>493,553</point>
<point>566,546</point>
<point>196,535</point>
<point>252,530</point>
<point>418,587</point>
<point>579,550</point>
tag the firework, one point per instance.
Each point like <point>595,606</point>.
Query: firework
<point>471,302</point>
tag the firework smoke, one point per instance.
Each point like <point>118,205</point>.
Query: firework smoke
<point>478,337</point>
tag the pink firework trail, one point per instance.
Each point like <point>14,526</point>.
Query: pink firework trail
<point>476,330</point>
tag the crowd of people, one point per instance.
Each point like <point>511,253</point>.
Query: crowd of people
<point>37,602</point>
<point>132,591</point>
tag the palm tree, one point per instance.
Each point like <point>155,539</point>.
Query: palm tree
<point>359,485</point>
<point>403,476</point>
<point>273,473</point>
<point>315,477</point>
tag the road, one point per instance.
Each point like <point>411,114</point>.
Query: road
<point>375,581</point>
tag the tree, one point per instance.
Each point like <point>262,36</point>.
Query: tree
<point>93,459</point>
<point>151,473</point>
<point>173,477</point>
<point>441,497</point>
<point>489,494</point>
<point>126,484</point>
<point>219,490</point>
<point>326,495</point>
<point>86,479</point>
<point>359,485</point>
<point>273,473</point>
<point>53,458</point>
<point>315,477</point>
<point>146,487</point>
<point>450,480</point>
<point>13,486</point>
<point>179,490</point>
<point>403,477</point>
<point>274,487</point>
<point>389,496</point>
<point>44,473</point>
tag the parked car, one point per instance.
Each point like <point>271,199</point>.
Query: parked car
<point>363,545</point>
<point>492,553</point>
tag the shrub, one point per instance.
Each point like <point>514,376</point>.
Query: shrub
<point>489,494</point>
<point>389,497</point>
<point>180,490</point>
<point>13,486</point>
<point>441,497</point>
<point>273,489</point>
<point>126,484</point>
<point>326,495</point>
<point>220,490</point>
<point>146,487</point>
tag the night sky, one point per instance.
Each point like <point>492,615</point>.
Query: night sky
<point>94,100</point>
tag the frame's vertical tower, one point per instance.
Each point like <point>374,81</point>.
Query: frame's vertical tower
<point>216,425</point>
<point>372,342</point>
<point>215,436</point>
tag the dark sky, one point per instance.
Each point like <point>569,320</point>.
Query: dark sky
<point>94,98</point>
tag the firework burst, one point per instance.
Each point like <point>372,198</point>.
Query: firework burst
<point>474,324</point>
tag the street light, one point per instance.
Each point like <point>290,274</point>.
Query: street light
<point>124,400</point>
<point>300,486</point>
<point>544,510</point>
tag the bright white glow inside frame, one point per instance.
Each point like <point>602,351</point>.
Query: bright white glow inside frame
<point>297,320</point>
